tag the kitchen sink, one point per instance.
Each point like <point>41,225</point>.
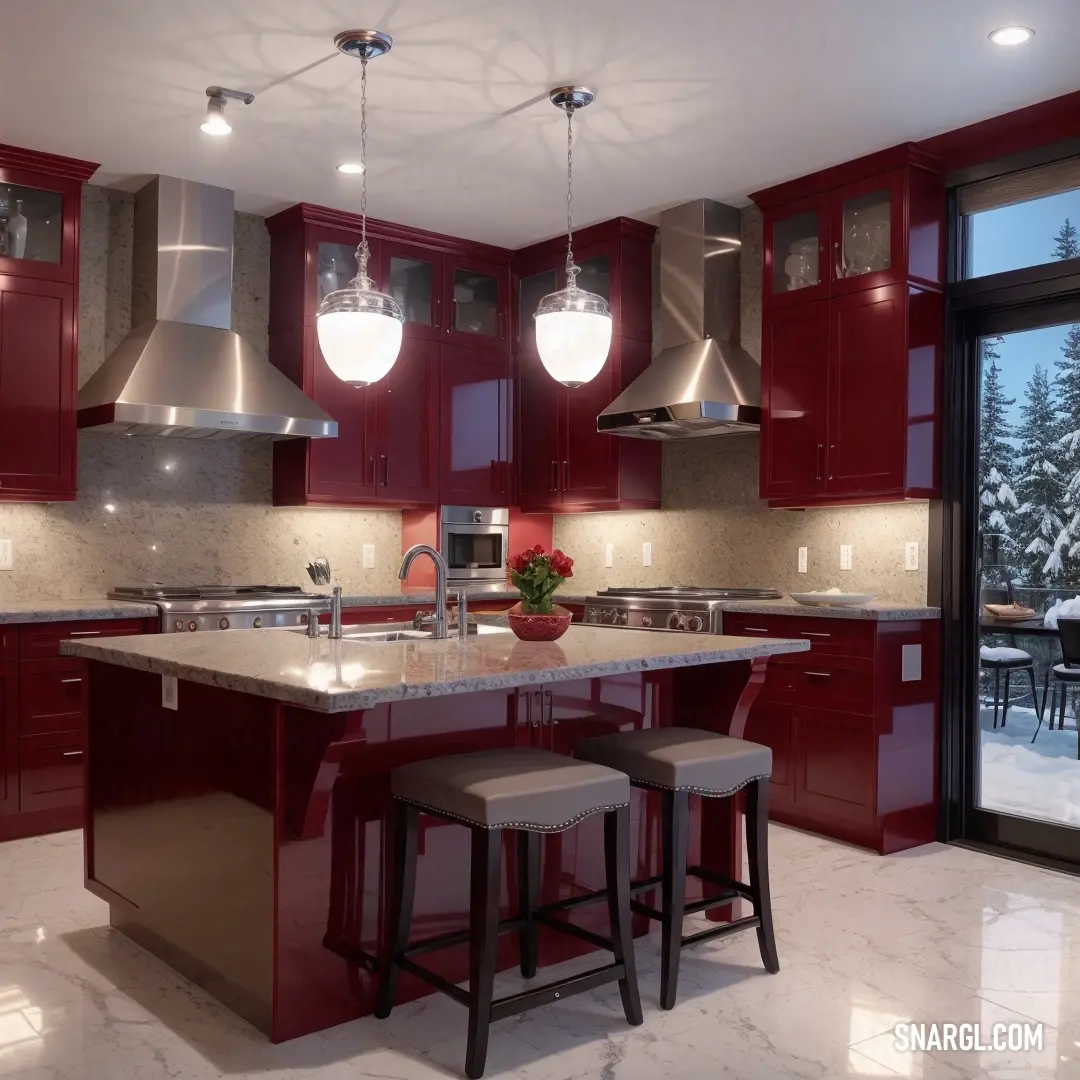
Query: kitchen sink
<point>378,637</point>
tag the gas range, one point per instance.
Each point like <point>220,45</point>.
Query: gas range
<point>224,607</point>
<point>688,608</point>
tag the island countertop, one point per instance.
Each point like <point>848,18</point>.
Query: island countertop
<point>352,674</point>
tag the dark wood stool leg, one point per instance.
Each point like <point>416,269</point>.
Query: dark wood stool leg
<point>406,829</point>
<point>676,832</point>
<point>483,943</point>
<point>1005,702</point>
<point>757,850</point>
<point>528,875</point>
<point>617,860</point>
<point>997,693</point>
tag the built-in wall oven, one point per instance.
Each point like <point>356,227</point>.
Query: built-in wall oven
<point>474,540</point>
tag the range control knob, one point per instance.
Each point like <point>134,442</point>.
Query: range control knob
<point>223,623</point>
<point>694,623</point>
<point>675,621</point>
<point>621,618</point>
<point>590,615</point>
<point>607,616</point>
<point>193,626</point>
<point>178,625</point>
<point>646,620</point>
<point>256,623</point>
<point>478,516</point>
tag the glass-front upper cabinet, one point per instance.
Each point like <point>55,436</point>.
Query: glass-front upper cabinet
<point>595,276</point>
<point>478,294</point>
<point>337,267</point>
<point>31,224</point>
<point>531,290</point>
<point>865,242</point>
<point>867,227</point>
<point>412,275</point>
<point>795,244</point>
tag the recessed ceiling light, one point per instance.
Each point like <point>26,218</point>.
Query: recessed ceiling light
<point>1011,35</point>
<point>350,168</point>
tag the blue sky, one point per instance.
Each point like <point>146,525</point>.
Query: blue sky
<point>1009,238</point>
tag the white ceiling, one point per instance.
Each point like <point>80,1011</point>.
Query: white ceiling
<point>694,97</point>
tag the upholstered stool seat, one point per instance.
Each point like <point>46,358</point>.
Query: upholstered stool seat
<point>531,792</point>
<point>682,762</point>
<point>1004,658</point>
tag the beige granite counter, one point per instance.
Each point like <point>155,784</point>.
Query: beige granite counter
<point>341,676</point>
<point>39,611</point>
<point>879,612</point>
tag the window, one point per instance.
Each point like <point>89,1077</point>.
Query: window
<point>1020,220</point>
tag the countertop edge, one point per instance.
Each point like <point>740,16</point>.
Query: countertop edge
<point>870,612</point>
<point>75,611</point>
<point>352,701</point>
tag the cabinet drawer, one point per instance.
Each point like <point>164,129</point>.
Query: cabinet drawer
<point>50,771</point>
<point>845,683</point>
<point>9,644</point>
<point>42,641</point>
<point>840,637</point>
<point>52,696</point>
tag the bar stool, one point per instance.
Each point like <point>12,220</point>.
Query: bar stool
<point>680,762</point>
<point>531,792</point>
<point>1002,658</point>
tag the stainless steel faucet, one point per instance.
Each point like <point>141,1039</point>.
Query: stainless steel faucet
<point>439,625</point>
<point>334,602</point>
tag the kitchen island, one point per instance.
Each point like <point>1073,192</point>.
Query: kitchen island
<point>236,821</point>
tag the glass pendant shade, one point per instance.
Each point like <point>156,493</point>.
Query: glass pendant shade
<point>359,332</point>
<point>573,335</point>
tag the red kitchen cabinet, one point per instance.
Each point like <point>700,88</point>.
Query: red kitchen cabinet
<point>39,325</point>
<point>834,771</point>
<point>794,398</point>
<point>852,336</point>
<point>51,773</point>
<point>772,725</point>
<point>9,740</point>
<point>390,449</point>
<point>474,427</point>
<point>540,441</point>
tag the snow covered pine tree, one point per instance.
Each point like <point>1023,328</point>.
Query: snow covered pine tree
<point>997,500</point>
<point>1067,384</point>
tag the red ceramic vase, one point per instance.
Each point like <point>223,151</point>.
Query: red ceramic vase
<point>539,627</point>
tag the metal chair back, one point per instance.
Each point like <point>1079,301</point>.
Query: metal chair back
<point>1069,636</point>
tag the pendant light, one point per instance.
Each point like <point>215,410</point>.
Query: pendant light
<point>573,327</point>
<point>359,327</point>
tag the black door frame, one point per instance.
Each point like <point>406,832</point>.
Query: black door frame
<point>1001,303</point>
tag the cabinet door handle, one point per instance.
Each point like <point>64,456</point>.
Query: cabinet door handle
<point>73,753</point>
<point>832,452</point>
<point>839,259</point>
<point>554,476</point>
<point>538,716</point>
<point>817,459</point>
<point>85,633</point>
<point>754,630</point>
<point>70,680</point>
<point>813,633</point>
<point>550,708</point>
<point>437,316</point>
<point>820,674</point>
<point>566,475</point>
<point>384,458</point>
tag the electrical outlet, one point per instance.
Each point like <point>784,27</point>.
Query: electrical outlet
<point>169,693</point>
<point>7,557</point>
<point>369,556</point>
<point>911,555</point>
<point>646,554</point>
<point>609,555</point>
<point>845,556</point>
<point>803,553</point>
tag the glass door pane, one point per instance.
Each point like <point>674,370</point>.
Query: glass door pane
<point>867,233</point>
<point>531,290</point>
<point>411,286</point>
<point>595,276</point>
<point>476,302</point>
<point>31,223</point>
<point>337,267</point>
<point>1029,562</point>
<point>795,244</point>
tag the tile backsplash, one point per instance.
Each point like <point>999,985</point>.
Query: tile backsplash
<point>178,510</point>
<point>714,530</point>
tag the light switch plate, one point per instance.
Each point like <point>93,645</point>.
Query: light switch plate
<point>7,557</point>
<point>169,693</point>
<point>369,556</point>
<point>911,555</point>
<point>803,554</point>
<point>845,556</point>
<point>910,663</point>
<point>609,555</point>
<point>646,554</point>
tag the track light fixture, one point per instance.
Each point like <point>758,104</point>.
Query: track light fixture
<point>215,122</point>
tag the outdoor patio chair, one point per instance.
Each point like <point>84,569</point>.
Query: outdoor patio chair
<point>1066,674</point>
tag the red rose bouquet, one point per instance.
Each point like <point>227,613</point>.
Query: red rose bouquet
<point>537,575</point>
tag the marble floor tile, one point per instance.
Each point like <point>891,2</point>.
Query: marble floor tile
<point>938,934</point>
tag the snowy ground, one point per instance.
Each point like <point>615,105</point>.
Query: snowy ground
<point>1037,780</point>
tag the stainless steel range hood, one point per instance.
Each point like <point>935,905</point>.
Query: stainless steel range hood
<point>182,370</point>
<point>702,382</point>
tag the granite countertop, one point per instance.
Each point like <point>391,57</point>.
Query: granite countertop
<point>878,611</point>
<point>340,676</point>
<point>39,611</point>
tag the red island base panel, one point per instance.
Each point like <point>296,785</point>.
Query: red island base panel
<point>247,842</point>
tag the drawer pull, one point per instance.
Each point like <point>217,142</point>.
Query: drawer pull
<point>70,680</point>
<point>813,633</point>
<point>85,633</point>
<point>755,630</point>
<point>820,674</point>
<point>73,753</point>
